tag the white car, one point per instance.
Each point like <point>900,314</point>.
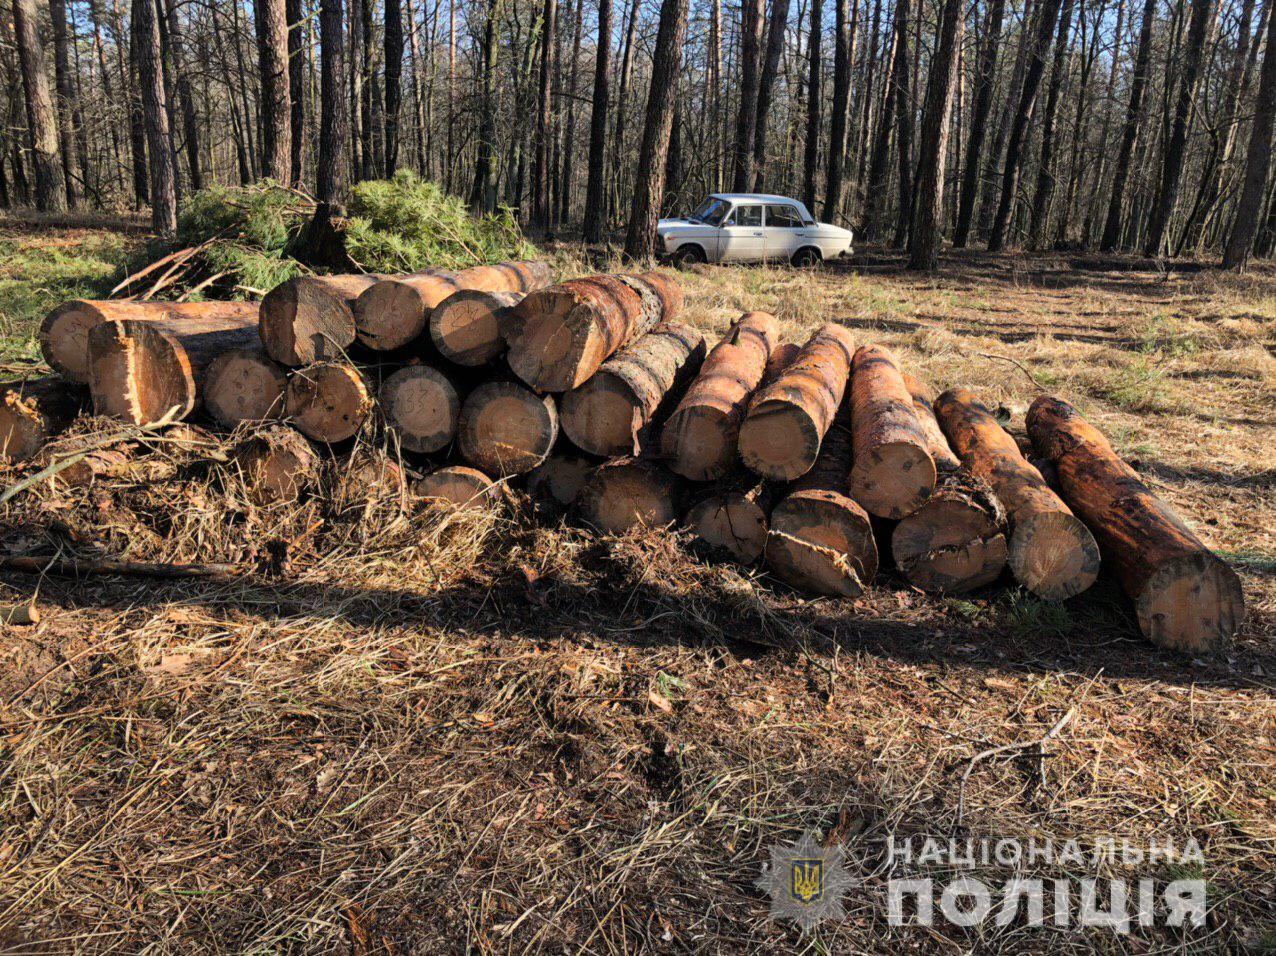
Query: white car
<point>750,227</point>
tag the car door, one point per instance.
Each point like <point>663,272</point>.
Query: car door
<point>741,237</point>
<point>783,231</point>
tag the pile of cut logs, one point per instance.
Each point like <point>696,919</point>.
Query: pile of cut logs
<point>823,459</point>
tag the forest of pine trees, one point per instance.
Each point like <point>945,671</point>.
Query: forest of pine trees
<point>1141,125</point>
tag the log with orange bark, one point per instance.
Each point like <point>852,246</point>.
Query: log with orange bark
<point>422,406</point>
<point>787,419</point>
<point>461,486</point>
<point>606,414</point>
<point>628,493</point>
<point>892,472</point>
<point>139,371</point>
<point>395,311</point>
<point>34,411</point>
<point>468,327</point>
<point>1052,552</point>
<point>311,318</point>
<point>820,539</point>
<point>327,401</point>
<point>244,385</point>
<point>559,336</point>
<point>699,439</point>
<point>730,518</point>
<point>506,429</point>
<point>956,541</point>
<point>64,333</point>
<point>1185,597</point>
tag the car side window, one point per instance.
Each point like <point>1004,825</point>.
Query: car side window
<point>747,216</point>
<point>783,217</point>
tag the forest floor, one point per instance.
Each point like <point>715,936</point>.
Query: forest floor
<point>501,734</point>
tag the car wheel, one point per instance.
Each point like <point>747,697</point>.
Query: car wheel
<point>688,256</point>
<point>806,258</point>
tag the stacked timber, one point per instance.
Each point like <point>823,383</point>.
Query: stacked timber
<point>362,392</point>
<point>1185,597</point>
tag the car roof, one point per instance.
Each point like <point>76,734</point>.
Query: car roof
<point>754,197</point>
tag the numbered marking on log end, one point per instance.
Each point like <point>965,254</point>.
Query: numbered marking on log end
<point>422,406</point>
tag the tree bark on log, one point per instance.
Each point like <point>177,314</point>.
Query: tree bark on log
<point>34,411</point>
<point>561,335</point>
<point>468,327</point>
<point>506,429</point>
<point>139,371</point>
<point>560,479</point>
<point>1052,553</point>
<point>606,414</point>
<point>628,493</point>
<point>422,405</point>
<point>1185,597</point>
<point>327,401</point>
<point>64,333</point>
<point>956,541</point>
<point>464,487</point>
<point>820,539</point>
<point>730,520</point>
<point>311,318</point>
<point>699,439</point>
<point>781,435</point>
<point>276,465</point>
<point>395,311</point>
<point>892,473</point>
<point>244,385</point>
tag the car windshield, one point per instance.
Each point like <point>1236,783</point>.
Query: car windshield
<point>710,212</point>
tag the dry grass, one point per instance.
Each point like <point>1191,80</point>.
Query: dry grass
<point>418,731</point>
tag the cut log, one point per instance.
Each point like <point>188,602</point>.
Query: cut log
<point>699,439</point>
<point>782,356</point>
<point>730,521</point>
<point>605,415</point>
<point>1185,597</point>
<point>92,465</point>
<point>1052,553</point>
<point>892,473</point>
<point>924,407</point>
<point>311,318</point>
<point>138,371</point>
<point>505,429</point>
<point>64,333</point>
<point>629,493</point>
<point>368,476</point>
<point>821,539</point>
<point>559,479</point>
<point>558,337</point>
<point>421,404</point>
<point>466,488</point>
<point>468,327</point>
<point>395,311</point>
<point>276,465</point>
<point>34,411</point>
<point>327,401</point>
<point>781,435</point>
<point>956,541</point>
<point>244,385</point>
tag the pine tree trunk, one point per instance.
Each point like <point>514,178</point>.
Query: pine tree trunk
<point>333,179</point>
<point>751,22</point>
<point>1257,161</point>
<point>1045,161</point>
<point>1176,148</point>
<point>985,81</point>
<point>933,157</point>
<point>1018,131</point>
<point>1130,132</point>
<point>482,195</point>
<point>596,187</point>
<point>297,28</point>
<point>904,121</point>
<point>812,148</point>
<point>159,142</point>
<point>766,87</point>
<point>393,82</point>
<point>50,188</point>
<point>835,176</point>
<point>540,162</point>
<point>276,100</point>
<point>649,191</point>
<point>186,98</point>
<point>66,101</point>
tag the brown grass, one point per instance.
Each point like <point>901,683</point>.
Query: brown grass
<point>414,731</point>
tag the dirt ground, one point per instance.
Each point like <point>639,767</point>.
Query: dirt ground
<point>428,733</point>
